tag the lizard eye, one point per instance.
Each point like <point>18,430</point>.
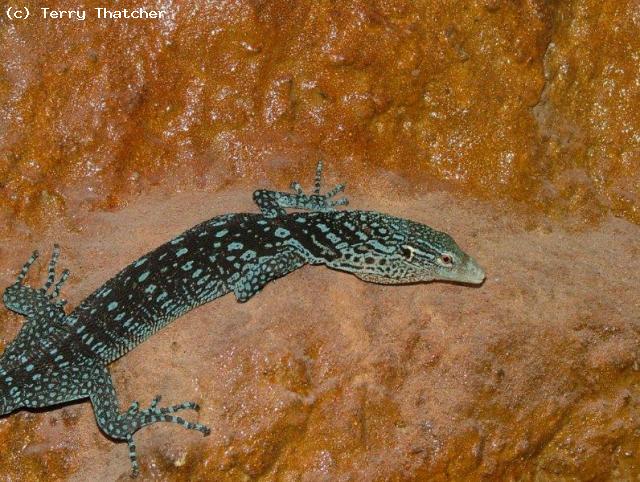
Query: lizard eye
<point>446,259</point>
<point>407,252</point>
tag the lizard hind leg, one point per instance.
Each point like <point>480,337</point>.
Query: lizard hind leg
<point>122,426</point>
<point>19,297</point>
<point>28,301</point>
<point>125,425</point>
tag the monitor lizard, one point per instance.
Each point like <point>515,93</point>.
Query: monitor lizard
<point>58,357</point>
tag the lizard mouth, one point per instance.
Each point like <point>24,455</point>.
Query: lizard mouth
<point>383,280</point>
<point>470,272</point>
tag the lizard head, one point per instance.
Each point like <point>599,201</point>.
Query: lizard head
<point>397,251</point>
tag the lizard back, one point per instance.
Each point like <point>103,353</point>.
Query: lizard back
<point>187,271</point>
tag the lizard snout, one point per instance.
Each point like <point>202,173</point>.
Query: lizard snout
<point>474,273</point>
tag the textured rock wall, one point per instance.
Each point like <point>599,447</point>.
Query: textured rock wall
<point>522,115</point>
<point>528,100</point>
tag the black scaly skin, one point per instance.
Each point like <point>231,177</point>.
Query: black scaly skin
<point>59,357</point>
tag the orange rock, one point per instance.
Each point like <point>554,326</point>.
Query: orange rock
<point>504,105</point>
<point>493,98</point>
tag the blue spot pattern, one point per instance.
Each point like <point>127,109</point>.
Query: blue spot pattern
<point>60,357</point>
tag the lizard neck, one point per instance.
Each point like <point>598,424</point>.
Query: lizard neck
<point>324,237</point>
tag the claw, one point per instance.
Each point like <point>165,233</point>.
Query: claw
<point>340,202</point>
<point>133,409</point>
<point>52,266</point>
<point>318,179</point>
<point>336,190</point>
<point>60,283</point>
<point>154,402</point>
<point>295,186</point>
<point>26,266</point>
<point>135,468</point>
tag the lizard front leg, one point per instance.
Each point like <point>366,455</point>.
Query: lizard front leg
<point>272,203</point>
<point>254,276</point>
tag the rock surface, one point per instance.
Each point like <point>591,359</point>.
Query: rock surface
<point>324,377</point>
<point>533,101</point>
<point>514,126</point>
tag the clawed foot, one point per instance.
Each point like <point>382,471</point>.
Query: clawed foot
<point>55,293</point>
<point>273,203</point>
<point>162,414</point>
<point>318,199</point>
<point>155,414</point>
<point>30,302</point>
